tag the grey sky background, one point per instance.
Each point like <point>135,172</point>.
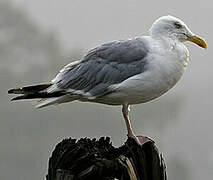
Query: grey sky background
<point>37,38</point>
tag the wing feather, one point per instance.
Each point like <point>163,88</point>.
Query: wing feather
<point>104,66</point>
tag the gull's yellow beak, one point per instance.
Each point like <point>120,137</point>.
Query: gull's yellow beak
<point>197,40</point>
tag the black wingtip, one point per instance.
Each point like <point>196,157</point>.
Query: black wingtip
<point>15,91</point>
<point>14,99</point>
<point>10,91</point>
<point>19,97</point>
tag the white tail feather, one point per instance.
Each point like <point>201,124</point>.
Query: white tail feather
<point>55,100</point>
<point>47,102</point>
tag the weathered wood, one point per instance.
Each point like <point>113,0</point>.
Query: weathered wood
<point>90,159</point>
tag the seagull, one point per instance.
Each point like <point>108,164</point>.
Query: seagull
<point>122,72</point>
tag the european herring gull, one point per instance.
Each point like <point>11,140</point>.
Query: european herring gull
<point>123,72</point>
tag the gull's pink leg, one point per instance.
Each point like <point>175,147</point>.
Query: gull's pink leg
<point>125,111</point>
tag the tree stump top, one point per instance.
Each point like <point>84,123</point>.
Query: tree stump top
<point>87,159</point>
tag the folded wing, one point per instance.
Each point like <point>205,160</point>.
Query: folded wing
<point>102,67</point>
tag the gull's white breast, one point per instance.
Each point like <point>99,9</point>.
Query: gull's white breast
<point>165,66</point>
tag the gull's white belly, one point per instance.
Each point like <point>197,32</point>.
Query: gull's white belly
<point>141,89</point>
<point>161,75</point>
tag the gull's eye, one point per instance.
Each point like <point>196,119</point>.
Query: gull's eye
<point>178,25</point>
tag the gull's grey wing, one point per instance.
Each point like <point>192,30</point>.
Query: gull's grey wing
<point>104,66</point>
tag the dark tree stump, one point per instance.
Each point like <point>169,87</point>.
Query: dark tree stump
<point>90,159</point>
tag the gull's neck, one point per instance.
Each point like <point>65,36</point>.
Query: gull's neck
<point>162,35</point>
<point>168,42</point>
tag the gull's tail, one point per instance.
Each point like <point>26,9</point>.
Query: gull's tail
<point>38,92</point>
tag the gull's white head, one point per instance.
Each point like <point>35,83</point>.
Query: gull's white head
<point>174,28</point>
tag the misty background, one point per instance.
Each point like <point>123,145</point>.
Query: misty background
<point>37,38</point>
